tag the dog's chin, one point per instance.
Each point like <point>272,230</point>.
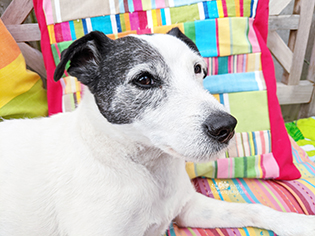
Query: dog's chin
<point>198,158</point>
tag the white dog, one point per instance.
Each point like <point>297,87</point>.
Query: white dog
<point>116,165</point>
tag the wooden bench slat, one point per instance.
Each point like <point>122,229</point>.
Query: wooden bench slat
<point>25,32</point>
<point>295,94</point>
<point>277,6</point>
<point>284,22</point>
<point>17,12</point>
<point>280,50</point>
<point>33,58</point>
<point>306,15</point>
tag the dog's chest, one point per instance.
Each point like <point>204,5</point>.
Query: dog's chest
<point>173,190</point>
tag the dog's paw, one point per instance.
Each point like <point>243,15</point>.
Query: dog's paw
<point>297,225</point>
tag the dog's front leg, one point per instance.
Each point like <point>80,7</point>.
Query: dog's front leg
<point>204,212</point>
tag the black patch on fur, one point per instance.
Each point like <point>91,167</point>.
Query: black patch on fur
<point>103,65</point>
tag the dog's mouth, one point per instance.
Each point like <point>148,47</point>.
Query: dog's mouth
<point>219,154</point>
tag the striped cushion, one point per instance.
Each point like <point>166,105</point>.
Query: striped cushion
<point>287,196</point>
<point>21,91</point>
<point>231,36</point>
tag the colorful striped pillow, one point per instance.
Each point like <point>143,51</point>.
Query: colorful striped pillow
<point>21,91</point>
<point>231,36</point>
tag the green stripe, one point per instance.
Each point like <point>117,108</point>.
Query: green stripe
<point>192,232</point>
<point>239,167</point>
<point>249,44</point>
<point>223,67</point>
<point>184,13</point>
<point>122,22</point>
<point>30,104</point>
<point>245,167</point>
<point>78,28</point>
<point>55,53</point>
<point>251,172</point>
<point>190,32</point>
<point>247,7</point>
<point>231,8</point>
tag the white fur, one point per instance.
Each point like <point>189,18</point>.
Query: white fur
<point>77,174</point>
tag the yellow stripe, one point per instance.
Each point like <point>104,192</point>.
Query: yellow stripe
<point>237,8</point>
<point>220,9</point>
<point>224,36</point>
<point>213,189</point>
<point>216,96</point>
<point>251,143</point>
<point>51,32</point>
<point>259,167</point>
<point>223,186</point>
<point>274,197</point>
<point>251,62</point>
<point>164,29</point>
<point>154,19</point>
<point>190,169</point>
<point>15,80</point>
<point>253,231</point>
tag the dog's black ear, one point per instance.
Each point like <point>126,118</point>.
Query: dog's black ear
<point>84,55</point>
<point>178,34</point>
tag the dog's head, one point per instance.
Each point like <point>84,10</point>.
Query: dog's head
<point>154,84</point>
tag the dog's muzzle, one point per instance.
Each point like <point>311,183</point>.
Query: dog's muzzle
<point>220,126</point>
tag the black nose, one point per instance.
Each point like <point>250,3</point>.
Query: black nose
<point>220,126</point>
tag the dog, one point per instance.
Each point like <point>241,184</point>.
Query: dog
<point>116,165</point>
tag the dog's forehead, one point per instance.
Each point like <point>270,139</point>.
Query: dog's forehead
<point>170,47</point>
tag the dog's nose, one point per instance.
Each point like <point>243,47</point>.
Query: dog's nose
<point>220,126</point>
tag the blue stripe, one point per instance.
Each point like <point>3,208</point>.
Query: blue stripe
<point>130,6</point>
<point>218,189</point>
<point>255,142</point>
<point>205,7</point>
<point>118,23</point>
<point>72,30</point>
<point>84,26</point>
<point>251,8</point>
<point>102,23</point>
<point>269,139</point>
<point>221,98</point>
<point>153,4</point>
<point>163,16</point>
<point>171,231</point>
<point>213,12</point>
<point>308,182</point>
<point>206,45</point>
<point>121,7</point>
<point>231,83</point>
<point>246,231</point>
<point>240,190</point>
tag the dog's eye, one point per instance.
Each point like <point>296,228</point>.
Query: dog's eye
<point>198,69</point>
<point>144,81</point>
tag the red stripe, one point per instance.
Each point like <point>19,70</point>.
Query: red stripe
<point>301,197</point>
<point>143,21</point>
<point>281,146</point>
<point>241,8</point>
<point>287,197</point>
<point>225,12</point>
<point>217,35</point>
<point>54,90</point>
<point>58,33</point>
<point>216,65</point>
